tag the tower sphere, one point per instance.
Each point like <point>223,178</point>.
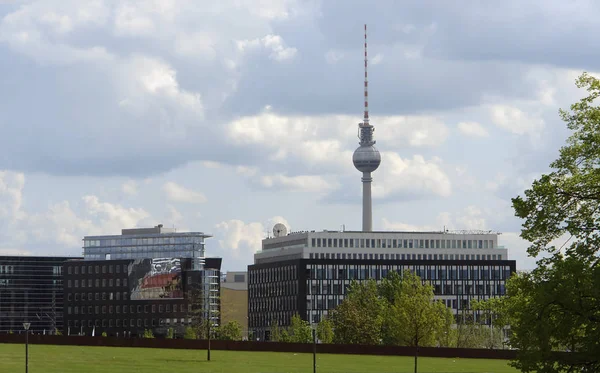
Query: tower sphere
<point>366,158</point>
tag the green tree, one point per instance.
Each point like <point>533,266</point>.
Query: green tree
<point>299,330</point>
<point>276,332</point>
<point>170,333</point>
<point>189,333</point>
<point>231,331</point>
<point>389,289</point>
<point>325,331</point>
<point>418,320</point>
<point>359,318</point>
<point>148,333</point>
<point>555,307</point>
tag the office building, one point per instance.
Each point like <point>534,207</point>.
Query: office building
<point>31,290</point>
<point>309,272</point>
<point>234,299</point>
<point>140,280</point>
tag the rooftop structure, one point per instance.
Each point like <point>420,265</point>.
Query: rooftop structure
<point>442,245</point>
<point>148,243</point>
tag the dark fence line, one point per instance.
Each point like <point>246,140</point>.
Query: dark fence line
<point>259,346</point>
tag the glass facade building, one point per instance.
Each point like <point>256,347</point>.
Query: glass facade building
<point>31,290</point>
<point>140,280</point>
<point>147,243</point>
<point>126,297</point>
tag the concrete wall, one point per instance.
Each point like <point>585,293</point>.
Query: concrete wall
<point>259,346</point>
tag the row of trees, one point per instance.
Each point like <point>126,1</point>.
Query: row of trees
<point>230,331</point>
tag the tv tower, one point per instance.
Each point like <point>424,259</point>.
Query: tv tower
<point>366,158</point>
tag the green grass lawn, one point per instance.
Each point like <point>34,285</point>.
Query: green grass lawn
<point>65,359</point>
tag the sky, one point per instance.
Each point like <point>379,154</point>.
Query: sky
<point>229,116</point>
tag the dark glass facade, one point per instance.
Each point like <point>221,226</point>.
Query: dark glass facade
<point>126,297</point>
<point>31,290</point>
<point>312,287</point>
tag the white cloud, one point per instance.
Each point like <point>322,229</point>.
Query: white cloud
<point>146,78</point>
<point>241,240</point>
<point>178,193</point>
<point>275,43</point>
<point>473,129</point>
<point>11,194</point>
<point>300,183</point>
<point>410,177</point>
<point>333,56</point>
<point>515,120</point>
<point>377,59</point>
<point>129,188</point>
<point>416,131</point>
<point>113,217</point>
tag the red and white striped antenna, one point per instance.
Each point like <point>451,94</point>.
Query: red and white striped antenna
<point>366,116</point>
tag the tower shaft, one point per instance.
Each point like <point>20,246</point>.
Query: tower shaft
<point>367,213</point>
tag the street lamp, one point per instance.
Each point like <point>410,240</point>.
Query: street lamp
<point>26,325</point>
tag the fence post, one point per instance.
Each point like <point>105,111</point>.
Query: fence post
<point>314,335</point>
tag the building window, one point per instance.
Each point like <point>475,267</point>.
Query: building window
<point>110,268</point>
<point>70,270</point>
<point>124,268</point>
<point>103,269</point>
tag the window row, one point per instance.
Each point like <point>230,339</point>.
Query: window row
<point>388,256</point>
<point>400,243</point>
<point>97,296</point>
<point>273,289</point>
<point>111,268</point>
<point>98,283</point>
<point>274,274</point>
<point>279,303</point>
<point>146,308</point>
<point>125,323</point>
<point>426,272</point>
<point>143,241</point>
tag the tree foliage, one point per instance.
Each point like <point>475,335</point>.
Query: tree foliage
<point>418,320</point>
<point>389,289</point>
<point>557,306</point>
<point>325,331</point>
<point>170,333</point>
<point>230,331</point>
<point>189,333</point>
<point>299,330</point>
<point>359,318</point>
<point>148,333</point>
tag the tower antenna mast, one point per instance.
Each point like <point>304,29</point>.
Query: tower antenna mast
<point>366,114</point>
